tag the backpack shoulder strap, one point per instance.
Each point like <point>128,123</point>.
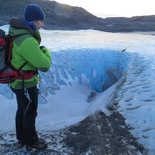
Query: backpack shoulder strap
<point>10,42</point>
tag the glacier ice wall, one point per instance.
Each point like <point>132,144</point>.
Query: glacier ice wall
<point>93,63</point>
<point>69,64</point>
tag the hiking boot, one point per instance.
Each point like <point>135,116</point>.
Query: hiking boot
<point>21,143</point>
<point>39,145</point>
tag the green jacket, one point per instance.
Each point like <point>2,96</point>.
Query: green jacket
<point>26,48</point>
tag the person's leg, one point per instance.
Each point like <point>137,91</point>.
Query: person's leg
<point>33,142</point>
<point>21,106</point>
<point>25,118</point>
<point>30,116</point>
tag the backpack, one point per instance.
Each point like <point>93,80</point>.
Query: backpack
<point>7,72</point>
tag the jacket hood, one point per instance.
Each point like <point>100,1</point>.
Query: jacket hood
<point>19,23</point>
<point>19,27</point>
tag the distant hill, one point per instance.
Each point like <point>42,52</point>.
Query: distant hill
<point>65,17</point>
<point>135,23</point>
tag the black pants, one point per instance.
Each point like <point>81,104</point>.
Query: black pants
<point>27,101</point>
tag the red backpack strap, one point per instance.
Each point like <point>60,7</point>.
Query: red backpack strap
<point>10,47</point>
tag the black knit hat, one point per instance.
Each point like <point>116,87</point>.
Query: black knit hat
<point>34,12</point>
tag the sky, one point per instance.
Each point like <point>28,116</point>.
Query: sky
<point>106,8</point>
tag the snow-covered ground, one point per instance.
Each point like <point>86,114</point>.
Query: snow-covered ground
<point>81,60</point>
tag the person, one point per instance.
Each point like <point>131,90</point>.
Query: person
<point>27,52</point>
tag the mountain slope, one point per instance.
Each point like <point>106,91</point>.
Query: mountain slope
<point>65,17</point>
<point>58,16</point>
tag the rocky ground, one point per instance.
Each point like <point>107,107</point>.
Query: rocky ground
<point>96,135</point>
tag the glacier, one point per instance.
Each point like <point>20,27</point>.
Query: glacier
<point>89,61</point>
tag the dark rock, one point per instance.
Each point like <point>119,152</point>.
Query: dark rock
<point>100,134</point>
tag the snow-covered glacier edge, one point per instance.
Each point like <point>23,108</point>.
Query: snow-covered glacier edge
<point>88,67</point>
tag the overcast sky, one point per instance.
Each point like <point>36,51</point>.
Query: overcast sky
<point>125,8</point>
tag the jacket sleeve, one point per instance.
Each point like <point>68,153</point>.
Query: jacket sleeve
<point>31,52</point>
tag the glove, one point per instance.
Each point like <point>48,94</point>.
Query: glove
<point>43,48</point>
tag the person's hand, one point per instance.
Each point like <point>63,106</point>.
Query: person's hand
<point>43,48</point>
